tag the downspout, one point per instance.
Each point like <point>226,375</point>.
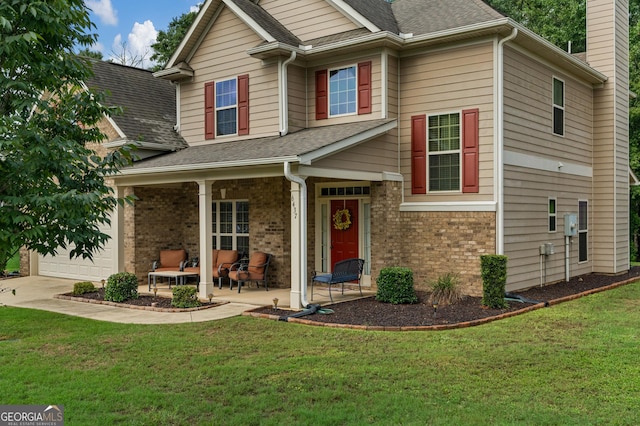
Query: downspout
<point>303,231</point>
<point>284,108</point>
<point>500,150</point>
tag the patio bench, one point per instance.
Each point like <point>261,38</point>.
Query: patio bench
<point>344,271</point>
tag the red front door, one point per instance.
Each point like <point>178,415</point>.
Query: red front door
<point>344,242</point>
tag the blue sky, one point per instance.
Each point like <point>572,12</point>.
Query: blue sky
<point>134,23</point>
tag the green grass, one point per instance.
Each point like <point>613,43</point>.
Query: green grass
<point>14,263</point>
<point>571,364</point>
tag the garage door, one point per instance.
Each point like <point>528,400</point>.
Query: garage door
<point>60,266</point>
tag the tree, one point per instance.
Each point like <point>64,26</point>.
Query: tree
<point>88,53</point>
<point>52,185</point>
<point>125,56</point>
<point>168,41</point>
<point>561,22</point>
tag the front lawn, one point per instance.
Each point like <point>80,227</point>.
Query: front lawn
<point>574,363</point>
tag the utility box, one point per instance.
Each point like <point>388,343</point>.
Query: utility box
<point>547,248</point>
<point>570,224</point>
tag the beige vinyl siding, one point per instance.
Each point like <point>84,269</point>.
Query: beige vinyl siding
<point>297,98</point>
<point>308,19</point>
<point>376,97</point>
<point>378,155</point>
<point>222,55</point>
<point>611,190</point>
<point>436,82</point>
<point>392,87</point>
<point>526,196</point>
<point>528,117</point>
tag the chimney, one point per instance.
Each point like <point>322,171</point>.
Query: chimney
<point>608,52</point>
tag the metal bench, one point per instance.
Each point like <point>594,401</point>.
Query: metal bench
<point>345,271</point>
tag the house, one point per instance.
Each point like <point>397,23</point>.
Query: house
<point>146,120</point>
<point>418,133</point>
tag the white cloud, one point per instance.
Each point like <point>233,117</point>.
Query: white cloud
<point>195,8</point>
<point>136,50</point>
<point>104,10</point>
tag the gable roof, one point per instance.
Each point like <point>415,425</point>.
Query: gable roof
<point>148,104</point>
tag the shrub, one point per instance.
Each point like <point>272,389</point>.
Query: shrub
<point>395,285</point>
<point>121,286</point>
<point>446,289</point>
<point>185,297</point>
<point>83,287</point>
<point>494,280</point>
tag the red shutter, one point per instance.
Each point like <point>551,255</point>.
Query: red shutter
<point>243,104</point>
<point>364,88</point>
<point>470,151</point>
<point>419,154</point>
<point>322,97</point>
<point>209,111</point>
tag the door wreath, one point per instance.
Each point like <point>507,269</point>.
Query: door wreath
<point>342,219</point>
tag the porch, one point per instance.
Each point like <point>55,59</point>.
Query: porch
<point>261,297</point>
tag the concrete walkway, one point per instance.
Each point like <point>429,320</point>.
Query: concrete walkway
<point>37,293</point>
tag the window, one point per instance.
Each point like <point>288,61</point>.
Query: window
<point>558,107</point>
<point>231,225</point>
<point>444,152</point>
<point>343,91</point>
<point>552,215</point>
<point>583,207</point>
<point>226,107</point>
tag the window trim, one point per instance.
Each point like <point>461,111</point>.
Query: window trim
<point>216,108</point>
<point>355,90</point>
<point>241,105</point>
<point>553,215</point>
<point>560,107</point>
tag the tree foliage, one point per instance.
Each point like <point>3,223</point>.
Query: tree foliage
<point>52,184</point>
<point>168,41</point>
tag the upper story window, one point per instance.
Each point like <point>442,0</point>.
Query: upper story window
<point>558,107</point>
<point>343,91</point>
<point>226,107</point>
<point>445,152</point>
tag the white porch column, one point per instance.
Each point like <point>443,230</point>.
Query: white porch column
<point>206,244</point>
<point>296,224</point>
<point>117,229</point>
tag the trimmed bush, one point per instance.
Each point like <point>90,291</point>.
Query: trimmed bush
<point>83,287</point>
<point>446,289</point>
<point>395,285</point>
<point>494,280</point>
<point>185,297</point>
<point>121,286</point>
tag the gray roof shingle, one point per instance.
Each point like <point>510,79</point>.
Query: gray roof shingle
<point>268,22</point>
<point>379,12</point>
<point>428,16</point>
<point>148,103</point>
<point>261,150</point>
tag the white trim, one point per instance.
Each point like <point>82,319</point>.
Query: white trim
<point>355,89</point>
<point>203,34</point>
<point>188,35</point>
<point>554,106</point>
<point>341,174</point>
<point>384,72</point>
<point>249,21</point>
<point>353,15</point>
<point>512,158</point>
<point>554,214</point>
<point>451,206</point>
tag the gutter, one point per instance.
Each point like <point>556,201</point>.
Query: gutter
<point>303,231</point>
<point>284,98</point>
<point>500,143</point>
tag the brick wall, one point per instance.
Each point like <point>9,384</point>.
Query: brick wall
<point>429,243</point>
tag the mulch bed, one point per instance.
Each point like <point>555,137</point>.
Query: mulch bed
<point>368,313</point>
<point>152,303</point>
